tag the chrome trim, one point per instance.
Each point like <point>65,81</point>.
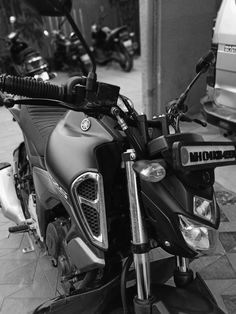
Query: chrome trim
<point>33,59</point>
<point>182,263</point>
<point>98,204</point>
<point>58,187</point>
<point>44,75</point>
<point>139,235</point>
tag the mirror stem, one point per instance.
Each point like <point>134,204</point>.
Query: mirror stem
<point>81,38</point>
<point>61,8</point>
<point>184,95</point>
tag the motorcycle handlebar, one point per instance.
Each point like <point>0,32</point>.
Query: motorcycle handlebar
<point>72,95</point>
<point>29,87</point>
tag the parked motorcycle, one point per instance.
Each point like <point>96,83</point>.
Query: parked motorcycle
<point>112,45</point>
<point>24,60</point>
<point>69,53</point>
<point>100,186</point>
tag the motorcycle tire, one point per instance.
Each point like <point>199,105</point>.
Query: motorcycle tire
<point>126,61</point>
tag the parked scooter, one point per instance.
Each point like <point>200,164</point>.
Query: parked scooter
<point>112,45</point>
<point>69,54</point>
<point>100,186</point>
<point>24,60</point>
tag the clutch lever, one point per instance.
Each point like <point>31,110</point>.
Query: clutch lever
<point>202,123</point>
<point>9,103</point>
<point>187,119</point>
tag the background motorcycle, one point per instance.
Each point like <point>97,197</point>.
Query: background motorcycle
<point>24,60</point>
<point>69,53</point>
<point>70,195</point>
<point>112,45</point>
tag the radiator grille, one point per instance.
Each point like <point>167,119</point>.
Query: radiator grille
<point>88,189</point>
<point>92,218</point>
<point>88,195</point>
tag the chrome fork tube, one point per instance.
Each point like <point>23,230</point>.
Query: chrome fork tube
<point>139,234</point>
<point>182,263</point>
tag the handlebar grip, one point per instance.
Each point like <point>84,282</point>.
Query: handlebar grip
<point>29,87</point>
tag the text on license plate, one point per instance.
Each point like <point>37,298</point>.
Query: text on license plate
<point>195,155</point>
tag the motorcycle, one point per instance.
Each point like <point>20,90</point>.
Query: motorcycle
<point>24,60</point>
<point>69,53</point>
<point>112,45</point>
<point>100,186</point>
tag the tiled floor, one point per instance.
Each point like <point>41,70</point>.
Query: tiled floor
<point>26,280</point>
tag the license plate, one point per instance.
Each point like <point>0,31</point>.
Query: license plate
<point>85,58</point>
<point>203,155</point>
<point>128,43</point>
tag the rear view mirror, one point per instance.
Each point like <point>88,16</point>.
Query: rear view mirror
<point>50,7</point>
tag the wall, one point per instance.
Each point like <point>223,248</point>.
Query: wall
<point>181,33</point>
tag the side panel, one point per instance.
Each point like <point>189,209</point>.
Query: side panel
<point>45,189</point>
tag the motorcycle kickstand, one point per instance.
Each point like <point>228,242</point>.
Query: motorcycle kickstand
<point>29,248</point>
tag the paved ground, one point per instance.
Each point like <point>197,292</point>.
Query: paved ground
<point>28,279</point>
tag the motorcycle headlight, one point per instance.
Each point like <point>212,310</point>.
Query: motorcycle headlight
<point>199,237</point>
<point>204,208</point>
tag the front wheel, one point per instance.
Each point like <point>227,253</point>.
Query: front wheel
<point>125,59</point>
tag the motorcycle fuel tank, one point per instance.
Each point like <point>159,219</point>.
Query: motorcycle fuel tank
<point>71,148</point>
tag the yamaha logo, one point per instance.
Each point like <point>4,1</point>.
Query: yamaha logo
<point>85,124</point>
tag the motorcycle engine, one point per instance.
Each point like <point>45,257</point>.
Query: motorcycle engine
<point>55,235</point>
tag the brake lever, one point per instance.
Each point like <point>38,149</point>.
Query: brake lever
<point>202,123</point>
<point>187,119</point>
<point>10,102</point>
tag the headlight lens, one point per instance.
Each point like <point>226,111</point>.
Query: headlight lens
<point>198,237</point>
<point>204,208</point>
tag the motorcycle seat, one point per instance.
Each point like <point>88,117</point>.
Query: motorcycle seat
<point>37,123</point>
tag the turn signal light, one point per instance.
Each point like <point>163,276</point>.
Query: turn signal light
<point>150,170</point>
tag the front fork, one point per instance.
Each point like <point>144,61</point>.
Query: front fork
<point>183,275</point>
<point>140,243</point>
